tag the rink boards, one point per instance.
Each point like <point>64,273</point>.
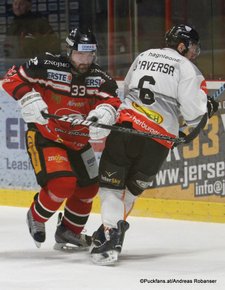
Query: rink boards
<point>145,207</point>
<point>190,185</point>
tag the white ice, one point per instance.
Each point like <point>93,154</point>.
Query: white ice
<point>153,249</point>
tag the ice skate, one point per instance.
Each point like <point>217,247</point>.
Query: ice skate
<point>107,252</point>
<point>37,229</point>
<point>68,240</point>
<point>98,238</point>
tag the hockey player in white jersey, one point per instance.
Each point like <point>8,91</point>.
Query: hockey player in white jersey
<point>160,86</point>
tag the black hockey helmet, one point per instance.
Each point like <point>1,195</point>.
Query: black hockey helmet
<point>82,40</point>
<point>182,33</point>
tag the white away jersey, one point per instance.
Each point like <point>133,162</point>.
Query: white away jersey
<point>160,86</point>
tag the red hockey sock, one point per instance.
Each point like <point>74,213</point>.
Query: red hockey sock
<point>78,208</point>
<point>51,197</point>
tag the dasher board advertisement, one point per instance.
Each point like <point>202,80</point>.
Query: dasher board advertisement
<point>191,171</point>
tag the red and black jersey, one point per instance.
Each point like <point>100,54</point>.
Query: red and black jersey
<point>65,93</point>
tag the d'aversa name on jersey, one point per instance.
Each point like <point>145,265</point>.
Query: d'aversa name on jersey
<point>156,66</point>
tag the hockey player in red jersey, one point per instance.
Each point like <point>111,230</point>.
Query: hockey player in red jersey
<point>160,86</point>
<point>62,158</point>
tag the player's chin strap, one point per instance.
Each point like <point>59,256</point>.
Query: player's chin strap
<point>75,122</point>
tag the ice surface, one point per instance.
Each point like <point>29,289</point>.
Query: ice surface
<point>153,249</point>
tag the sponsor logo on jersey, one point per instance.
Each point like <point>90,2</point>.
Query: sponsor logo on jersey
<point>114,181</point>
<point>97,70</point>
<point>143,125</point>
<point>156,117</point>
<point>156,55</point>
<point>59,76</point>
<point>93,82</point>
<point>110,173</point>
<point>91,161</point>
<point>56,63</point>
<point>58,158</point>
<point>143,184</point>
<point>73,103</point>
<point>33,61</point>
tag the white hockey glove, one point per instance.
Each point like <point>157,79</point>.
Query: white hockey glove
<point>31,106</point>
<point>103,114</point>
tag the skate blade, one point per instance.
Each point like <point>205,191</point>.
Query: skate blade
<point>66,247</point>
<point>105,259</point>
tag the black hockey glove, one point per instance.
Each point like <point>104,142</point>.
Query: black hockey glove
<point>212,106</point>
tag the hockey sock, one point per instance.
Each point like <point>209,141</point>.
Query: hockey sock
<point>78,207</point>
<point>51,197</point>
<point>112,208</point>
<point>129,200</point>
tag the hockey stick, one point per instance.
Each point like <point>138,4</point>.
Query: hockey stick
<point>215,96</point>
<point>75,122</point>
<point>218,92</point>
<point>195,132</point>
